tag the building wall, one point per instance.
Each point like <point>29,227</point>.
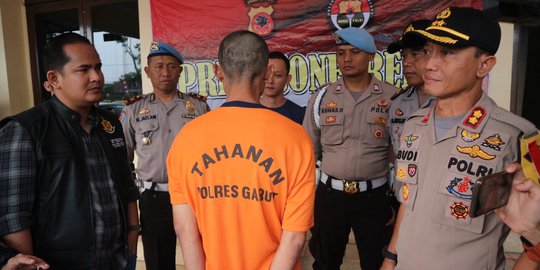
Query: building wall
<point>15,80</point>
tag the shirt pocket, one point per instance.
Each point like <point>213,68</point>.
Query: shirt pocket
<point>378,129</point>
<point>146,127</point>
<point>332,129</point>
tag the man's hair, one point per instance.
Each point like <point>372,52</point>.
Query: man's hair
<point>243,54</point>
<point>54,57</point>
<point>280,55</point>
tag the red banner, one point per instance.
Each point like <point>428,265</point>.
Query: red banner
<point>301,29</point>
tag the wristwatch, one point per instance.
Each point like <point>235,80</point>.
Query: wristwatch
<point>389,255</point>
<point>134,228</point>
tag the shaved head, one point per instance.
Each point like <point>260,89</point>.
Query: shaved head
<point>243,55</point>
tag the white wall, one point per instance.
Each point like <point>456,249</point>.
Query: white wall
<point>500,78</point>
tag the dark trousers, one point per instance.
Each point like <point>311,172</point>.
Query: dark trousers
<point>336,213</point>
<point>158,237</point>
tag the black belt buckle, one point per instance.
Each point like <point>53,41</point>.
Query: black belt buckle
<point>350,187</point>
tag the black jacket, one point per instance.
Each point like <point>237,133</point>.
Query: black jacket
<point>63,229</point>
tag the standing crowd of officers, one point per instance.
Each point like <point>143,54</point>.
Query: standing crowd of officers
<point>427,143</point>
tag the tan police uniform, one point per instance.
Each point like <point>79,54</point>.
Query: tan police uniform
<point>150,126</point>
<point>404,104</point>
<point>351,139</point>
<point>438,177</point>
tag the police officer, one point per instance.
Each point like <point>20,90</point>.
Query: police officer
<point>347,123</point>
<point>445,148</point>
<point>151,123</point>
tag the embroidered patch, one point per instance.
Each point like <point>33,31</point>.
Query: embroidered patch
<point>411,170</point>
<point>144,111</point>
<point>378,134</point>
<point>494,142</point>
<point>376,89</point>
<point>338,89</point>
<point>461,187</point>
<point>382,103</point>
<point>331,104</point>
<point>107,126</point>
<point>122,117</point>
<point>398,112</point>
<point>400,172</point>
<point>459,210</point>
<point>475,117</point>
<point>330,119</point>
<point>190,106</point>
<point>409,140</point>
<point>474,152</point>
<point>379,121</point>
<point>405,192</point>
<point>469,136</point>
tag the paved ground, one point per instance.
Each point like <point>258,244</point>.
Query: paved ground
<point>351,261</point>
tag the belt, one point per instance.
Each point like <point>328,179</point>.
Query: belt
<point>352,186</point>
<point>155,186</point>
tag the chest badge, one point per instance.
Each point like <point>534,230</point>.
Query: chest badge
<point>459,210</point>
<point>190,106</point>
<point>107,126</point>
<point>400,172</point>
<point>461,187</point>
<point>378,134</point>
<point>475,151</point>
<point>380,121</point>
<point>405,191</point>
<point>469,136</point>
<point>382,103</point>
<point>411,170</point>
<point>410,139</point>
<point>144,111</point>
<point>146,141</point>
<point>398,112</point>
<point>494,142</point>
<point>330,119</point>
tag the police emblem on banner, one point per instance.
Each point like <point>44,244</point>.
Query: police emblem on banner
<point>350,13</point>
<point>261,21</point>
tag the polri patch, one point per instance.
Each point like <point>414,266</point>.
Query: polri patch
<point>459,210</point>
<point>461,187</point>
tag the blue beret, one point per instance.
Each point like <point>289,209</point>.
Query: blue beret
<point>161,48</point>
<point>356,37</point>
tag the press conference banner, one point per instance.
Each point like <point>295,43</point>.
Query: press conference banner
<point>302,29</point>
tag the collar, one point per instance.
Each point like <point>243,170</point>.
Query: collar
<point>70,115</point>
<point>243,104</point>
<point>153,97</point>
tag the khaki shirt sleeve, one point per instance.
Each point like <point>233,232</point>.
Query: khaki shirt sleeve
<point>127,120</point>
<point>311,128</point>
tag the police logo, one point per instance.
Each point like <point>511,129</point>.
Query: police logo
<point>398,112</point>
<point>461,187</point>
<point>378,134</point>
<point>144,111</point>
<point>405,192</point>
<point>350,13</point>
<point>330,119</point>
<point>154,46</point>
<point>190,106</point>
<point>474,152</point>
<point>411,170</point>
<point>379,121</point>
<point>376,89</point>
<point>400,172</point>
<point>107,126</point>
<point>410,139</point>
<point>338,89</point>
<point>475,117</point>
<point>494,142</point>
<point>260,17</point>
<point>469,136</point>
<point>459,210</point>
<point>382,103</point>
<point>444,14</point>
<point>331,104</point>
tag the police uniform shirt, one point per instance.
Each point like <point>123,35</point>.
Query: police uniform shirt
<point>437,178</point>
<point>403,106</point>
<point>353,137</point>
<point>150,126</point>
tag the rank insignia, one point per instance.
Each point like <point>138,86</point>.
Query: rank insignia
<point>144,111</point>
<point>107,126</point>
<point>411,170</point>
<point>331,104</point>
<point>494,142</point>
<point>376,89</point>
<point>459,210</point>
<point>405,192</point>
<point>382,103</point>
<point>461,187</point>
<point>475,117</point>
<point>400,172</point>
<point>379,121</point>
<point>469,136</point>
<point>190,106</point>
<point>338,89</point>
<point>475,151</point>
<point>410,139</point>
<point>330,119</point>
<point>398,112</point>
<point>378,134</point>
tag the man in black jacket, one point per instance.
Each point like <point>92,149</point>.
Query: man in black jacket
<point>66,191</point>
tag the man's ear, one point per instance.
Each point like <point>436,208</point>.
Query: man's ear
<point>218,72</point>
<point>146,70</point>
<point>52,79</point>
<point>487,62</point>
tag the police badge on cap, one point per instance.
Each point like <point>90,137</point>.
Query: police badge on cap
<point>161,48</point>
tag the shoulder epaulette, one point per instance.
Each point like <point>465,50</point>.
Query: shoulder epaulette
<point>398,92</point>
<point>519,122</point>
<point>133,99</point>
<point>197,96</point>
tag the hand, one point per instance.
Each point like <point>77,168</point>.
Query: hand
<point>22,261</point>
<point>522,213</point>
<point>133,238</point>
<point>388,264</point>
